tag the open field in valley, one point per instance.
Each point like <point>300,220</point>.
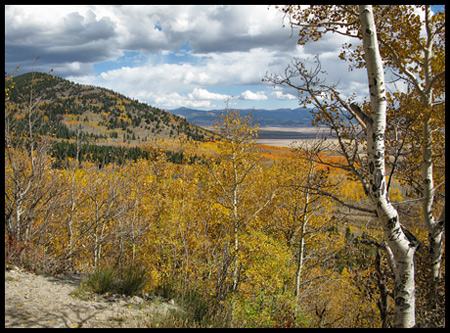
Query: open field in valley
<point>293,136</point>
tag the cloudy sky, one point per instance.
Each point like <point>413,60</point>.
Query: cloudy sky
<point>171,56</point>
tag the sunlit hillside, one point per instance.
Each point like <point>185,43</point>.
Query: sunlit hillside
<point>101,115</point>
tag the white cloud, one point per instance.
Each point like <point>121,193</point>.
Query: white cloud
<point>203,94</point>
<point>215,70</point>
<point>199,98</point>
<point>174,99</point>
<point>184,52</point>
<point>101,33</point>
<point>279,94</point>
<point>61,35</point>
<point>258,96</point>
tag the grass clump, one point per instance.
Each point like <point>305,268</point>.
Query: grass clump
<point>103,280</point>
<point>127,279</point>
<point>132,279</point>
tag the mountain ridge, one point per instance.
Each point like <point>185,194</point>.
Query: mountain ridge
<point>282,117</point>
<point>99,113</point>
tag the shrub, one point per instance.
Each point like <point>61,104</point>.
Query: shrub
<point>132,278</point>
<point>102,280</point>
<point>128,279</point>
<point>265,310</point>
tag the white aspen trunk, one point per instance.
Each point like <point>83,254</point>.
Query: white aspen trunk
<point>70,222</point>
<point>97,245</point>
<point>73,203</point>
<point>236,258</point>
<point>301,247</point>
<point>435,228</point>
<point>19,212</point>
<point>403,247</point>
<point>235,223</point>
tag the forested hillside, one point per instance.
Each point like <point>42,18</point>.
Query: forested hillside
<point>99,114</point>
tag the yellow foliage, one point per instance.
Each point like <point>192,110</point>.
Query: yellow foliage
<point>352,191</point>
<point>267,263</point>
<point>19,116</point>
<point>184,221</point>
<point>125,119</point>
<point>395,195</point>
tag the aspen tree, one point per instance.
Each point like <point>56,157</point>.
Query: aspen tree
<point>412,45</point>
<point>402,243</point>
<point>27,164</point>
<point>239,143</point>
<point>369,134</point>
<point>231,176</point>
<point>415,49</point>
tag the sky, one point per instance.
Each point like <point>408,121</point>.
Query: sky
<point>174,55</point>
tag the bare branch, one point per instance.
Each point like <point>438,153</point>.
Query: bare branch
<point>436,77</point>
<point>396,158</point>
<point>334,197</point>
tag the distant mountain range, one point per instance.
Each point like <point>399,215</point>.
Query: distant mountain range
<point>299,117</point>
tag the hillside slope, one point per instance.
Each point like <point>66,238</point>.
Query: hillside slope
<point>101,114</point>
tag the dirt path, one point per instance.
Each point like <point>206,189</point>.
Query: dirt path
<point>38,301</point>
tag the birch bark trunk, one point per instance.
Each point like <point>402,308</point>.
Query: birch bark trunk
<point>301,245</point>
<point>301,252</point>
<point>435,228</point>
<point>401,242</point>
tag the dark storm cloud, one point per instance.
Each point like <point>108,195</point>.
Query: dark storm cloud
<point>101,33</point>
<point>181,48</point>
<point>74,38</point>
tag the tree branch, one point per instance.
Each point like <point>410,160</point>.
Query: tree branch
<point>397,156</point>
<point>436,77</point>
<point>321,192</point>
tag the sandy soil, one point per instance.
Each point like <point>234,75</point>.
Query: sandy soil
<point>38,301</point>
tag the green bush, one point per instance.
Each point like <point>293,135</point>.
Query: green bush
<point>265,310</point>
<point>128,279</point>
<point>132,278</point>
<point>103,280</point>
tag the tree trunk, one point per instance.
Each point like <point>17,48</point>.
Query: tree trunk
<point>301,245</point>
<point>301,255</point>
<point>400,241</point>
<point>235,217</point>
<point>435,228</point>
<point>383,303</point>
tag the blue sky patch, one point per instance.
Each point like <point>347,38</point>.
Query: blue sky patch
<point>129,59</point>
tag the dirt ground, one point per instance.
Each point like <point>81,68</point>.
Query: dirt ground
<point>39,301</point>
